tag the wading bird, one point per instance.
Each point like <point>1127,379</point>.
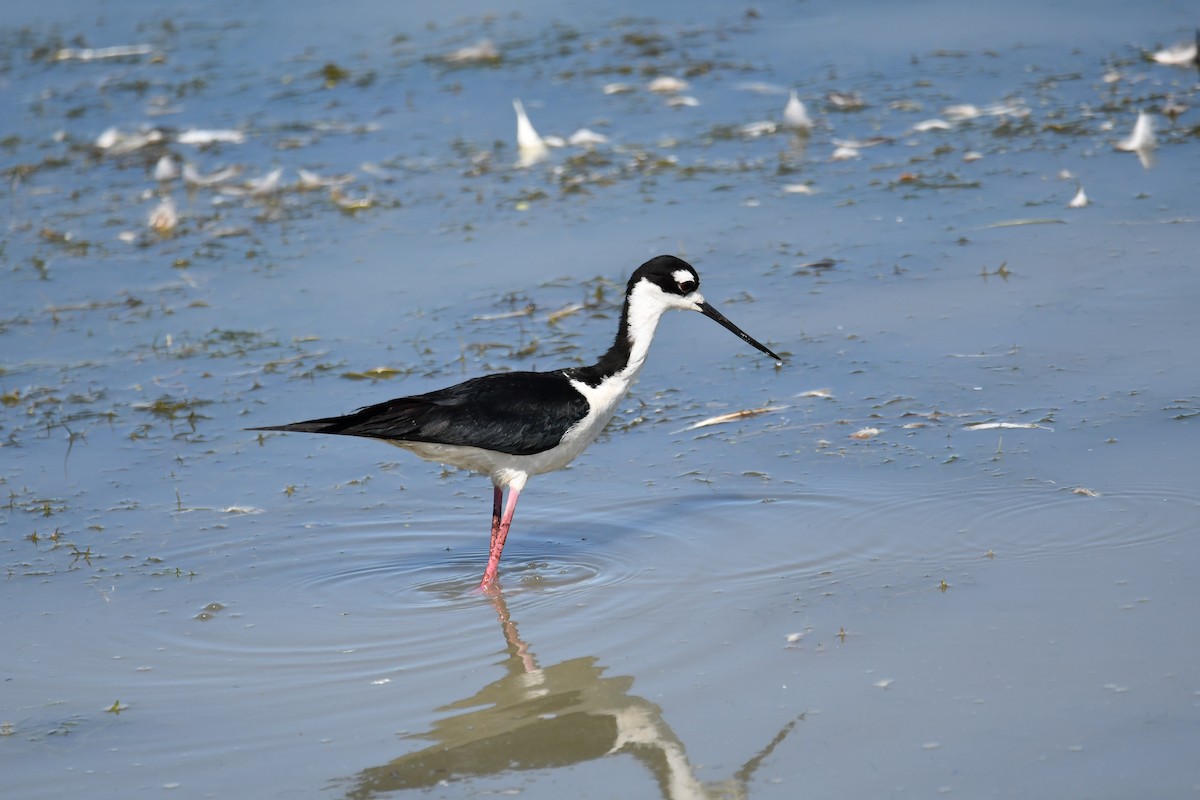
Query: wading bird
<point>512,425</point>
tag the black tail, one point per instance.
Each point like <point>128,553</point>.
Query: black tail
<point>394,419</point>
<point>330,425</point>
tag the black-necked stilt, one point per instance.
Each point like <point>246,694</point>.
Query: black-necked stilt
<point>512,425</point>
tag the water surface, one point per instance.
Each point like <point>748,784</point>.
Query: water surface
<point>987,592</point>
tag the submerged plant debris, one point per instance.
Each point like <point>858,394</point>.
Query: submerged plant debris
<point>145,201</point>
<point>227,217</point>
<point>129,160</point>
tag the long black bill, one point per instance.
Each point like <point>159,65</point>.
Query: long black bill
<point>713,314</point>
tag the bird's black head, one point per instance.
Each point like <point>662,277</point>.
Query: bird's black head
<point>667,282</point>
<point>672,275</point>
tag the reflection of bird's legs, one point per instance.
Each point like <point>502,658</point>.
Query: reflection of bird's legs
<point>743,775</point>
<point>516,645</point>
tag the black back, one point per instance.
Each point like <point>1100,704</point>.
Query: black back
<point>519,413</point>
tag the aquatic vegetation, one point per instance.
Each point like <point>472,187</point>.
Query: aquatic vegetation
<point>210,218</point>
<point>151,182</point>
<point>172,408</point>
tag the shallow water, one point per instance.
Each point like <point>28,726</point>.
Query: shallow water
<point>767,607</point>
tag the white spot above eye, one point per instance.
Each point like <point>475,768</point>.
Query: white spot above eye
<point>685,280</point>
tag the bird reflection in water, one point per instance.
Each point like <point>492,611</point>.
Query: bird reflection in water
<point>538,718</point>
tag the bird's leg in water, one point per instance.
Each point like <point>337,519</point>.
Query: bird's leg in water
<point>499,534</point>
<point>497,497</point>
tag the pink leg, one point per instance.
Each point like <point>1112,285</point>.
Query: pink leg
<point>499,534</point>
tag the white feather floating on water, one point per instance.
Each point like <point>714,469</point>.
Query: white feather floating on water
<point>106,140</point>
<point>261,186</point>
<point>527,311</point>
<point>267,184</point>
<point>164,217</point>
<point>235,509</point>
<point>166,169</point>
<point>667,84</point>
<point>859,144</point>
<point>989,426</point>
<point>311,180</point>
<point>1080,200</point>
<point>962,111</point>
<point>752,130</point>
<point>562,313</point>
<point>619,88</point>
<point>845,101</point>
<point>201,137</point>
<point>1178,55</point>
<point>732,416</point>
<point>193,177</point>
<point>101,53</point>
<point>795,115</point>
<point>350,204</point>
<point>530,147</point>
<point>115,143</point>
<point>760,87</point>
<point>483,50</point>
<point>585,137</point>
<point>1142,135</point>
<point>1141,140</point>
<point>931,125</point>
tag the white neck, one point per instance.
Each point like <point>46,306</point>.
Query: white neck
<point>647,304</point>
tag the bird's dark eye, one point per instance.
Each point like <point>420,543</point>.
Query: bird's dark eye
<point>687,287</point>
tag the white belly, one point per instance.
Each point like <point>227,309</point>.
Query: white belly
<point>505,469</point>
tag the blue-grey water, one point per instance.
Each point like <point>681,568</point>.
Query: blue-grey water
<point>957,557</point>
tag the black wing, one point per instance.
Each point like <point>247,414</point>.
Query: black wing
<point>519,413</point>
